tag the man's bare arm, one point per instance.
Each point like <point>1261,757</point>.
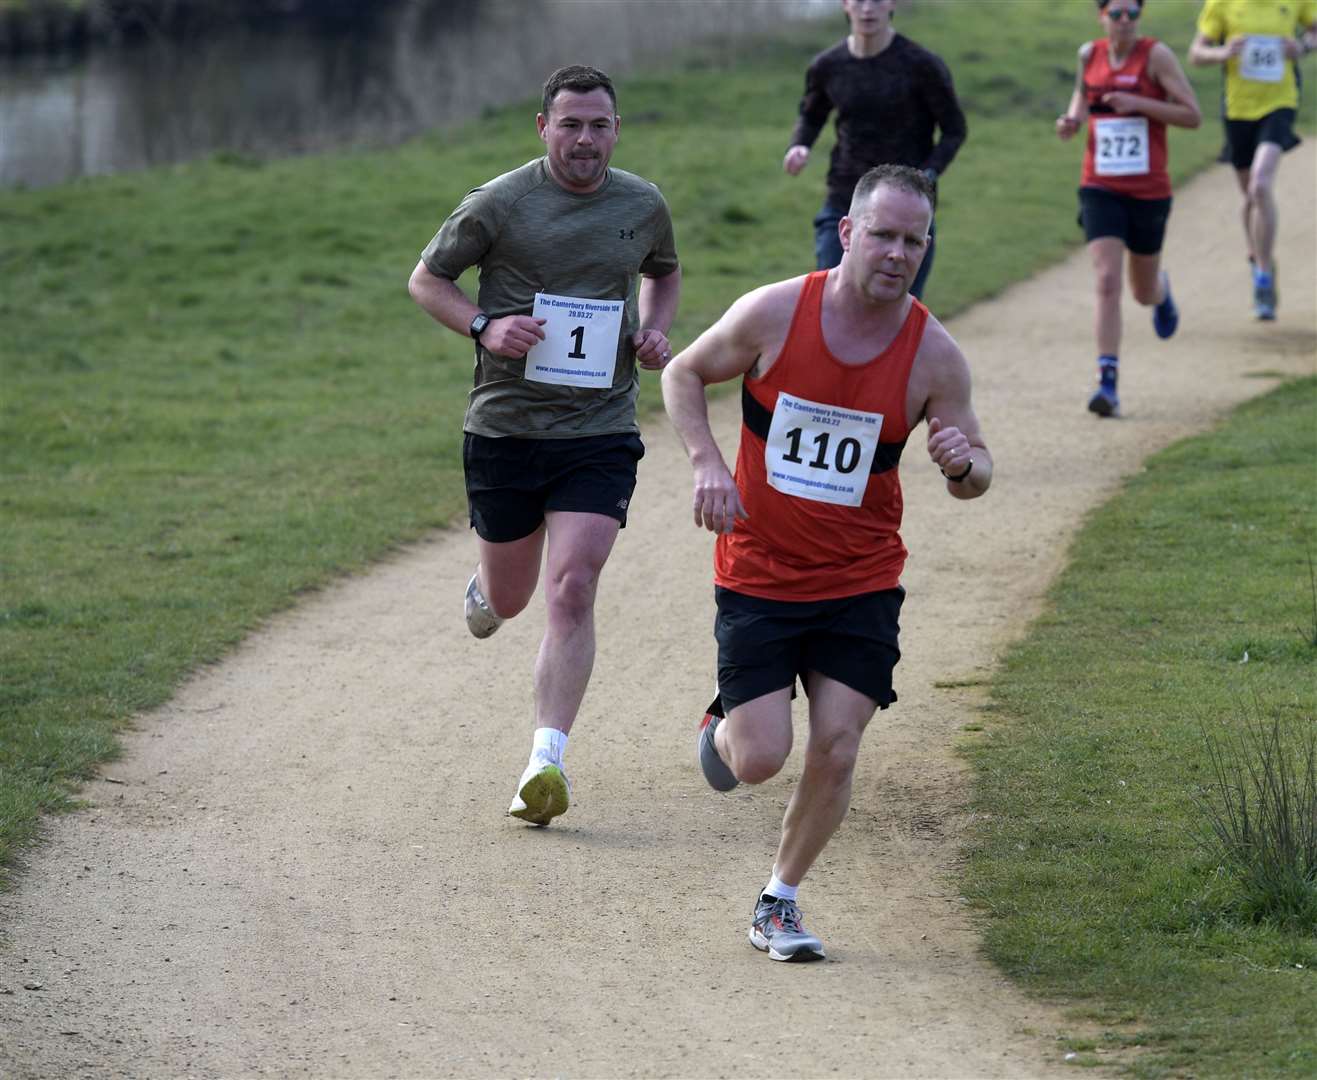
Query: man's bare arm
<point>727,349</point>
<point>657,302</point>
<point>955,439</point>
<point>441,299</point>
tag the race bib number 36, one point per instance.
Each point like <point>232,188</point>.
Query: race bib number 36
<point>580,341</point>
<point>820,452</point>
<point>1120,145</point>
<point>1263,60</point>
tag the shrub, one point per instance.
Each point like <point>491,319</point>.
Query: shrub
<point>1261,815</point>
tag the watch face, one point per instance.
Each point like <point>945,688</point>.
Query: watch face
<point>478,325</point>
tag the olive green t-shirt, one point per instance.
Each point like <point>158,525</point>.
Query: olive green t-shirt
<point>528,235</point>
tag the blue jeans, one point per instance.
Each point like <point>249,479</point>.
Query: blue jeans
<point>827,244</point>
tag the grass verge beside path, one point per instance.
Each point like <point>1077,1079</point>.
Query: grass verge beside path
<point>1187,606</point>
<point>217,394</point>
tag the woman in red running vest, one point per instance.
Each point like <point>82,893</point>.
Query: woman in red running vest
<point>1129,88</point>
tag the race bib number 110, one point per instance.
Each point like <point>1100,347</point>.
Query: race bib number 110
<point>820,452</point>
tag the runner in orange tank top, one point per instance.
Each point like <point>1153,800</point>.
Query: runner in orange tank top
<point>838,367</point>
<point>1129,88</point>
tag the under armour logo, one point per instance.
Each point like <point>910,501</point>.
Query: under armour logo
<point>626,234</point>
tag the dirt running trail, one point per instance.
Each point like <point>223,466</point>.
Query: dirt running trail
<point>303,867</point>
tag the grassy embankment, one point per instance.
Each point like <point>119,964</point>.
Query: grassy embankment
<point>1187,608</point>
<point>218,396</point>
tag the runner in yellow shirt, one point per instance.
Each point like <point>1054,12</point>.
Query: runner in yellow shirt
<point>1256,41</point>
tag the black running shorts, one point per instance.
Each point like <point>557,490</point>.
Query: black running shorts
<point>511,483</point>
<point>1140,223</point>
<point>1245,136</point>
<point>763,645</point>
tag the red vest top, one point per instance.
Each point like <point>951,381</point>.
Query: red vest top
<point>1125,153</point>
<point>795,548</point>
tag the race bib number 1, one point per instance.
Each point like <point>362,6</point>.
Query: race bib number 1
<point>1120,145</point>
<point>580,341</point>
<point>1263,60</point>
<point>820,452</point>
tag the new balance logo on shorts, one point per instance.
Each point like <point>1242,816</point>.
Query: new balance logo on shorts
<point>621,504</point>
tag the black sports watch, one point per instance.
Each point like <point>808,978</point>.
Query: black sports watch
<point>478,325</point>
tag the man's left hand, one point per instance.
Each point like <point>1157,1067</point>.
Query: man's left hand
<point>653,350</point>
<point>948,447</point>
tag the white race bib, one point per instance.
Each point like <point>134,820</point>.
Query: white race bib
<point>1263,60</point>
<point>1120,145</point>
<point>580,341</point>
<point>820,452</point>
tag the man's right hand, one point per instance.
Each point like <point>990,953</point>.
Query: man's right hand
<point>512,336</point>
<point>717,502</point>
<point>1066,126</point>
<point>797,158</point>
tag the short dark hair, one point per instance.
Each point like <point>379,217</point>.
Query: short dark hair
<point>901,177</point>
<point>1102,4</point>
<point>576,77</point>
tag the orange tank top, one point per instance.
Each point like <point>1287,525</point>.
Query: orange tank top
<point>817,466</point>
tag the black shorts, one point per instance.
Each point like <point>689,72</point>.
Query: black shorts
<point>1245,136</point>
<point>511,483</point>
<point>1140,223</point>
<point>763,645</point>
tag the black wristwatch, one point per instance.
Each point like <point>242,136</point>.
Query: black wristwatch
<point>478,325</point>
<point>969,468</point>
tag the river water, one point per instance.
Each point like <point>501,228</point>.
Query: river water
<point>403,67</point>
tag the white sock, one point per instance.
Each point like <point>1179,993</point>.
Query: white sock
<point>779,888</point>
<point>550,744</point>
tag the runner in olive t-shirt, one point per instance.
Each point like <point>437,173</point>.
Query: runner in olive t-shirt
<point>579,284</point>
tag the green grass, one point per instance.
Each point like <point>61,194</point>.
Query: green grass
<point>1186,607</point>
<point>217,395</point>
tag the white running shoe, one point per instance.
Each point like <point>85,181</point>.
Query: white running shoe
<point>480,619</point>
<point>543,793</point>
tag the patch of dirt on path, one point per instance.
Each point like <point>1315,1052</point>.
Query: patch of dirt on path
<point>304,867</point>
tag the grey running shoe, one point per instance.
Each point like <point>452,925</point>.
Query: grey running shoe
<point>480,620</point>
<point>720,777</point>
<point>776,930</point>
<point>542,795</point>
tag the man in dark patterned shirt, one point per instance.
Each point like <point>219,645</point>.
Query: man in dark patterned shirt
<point>890,96</point>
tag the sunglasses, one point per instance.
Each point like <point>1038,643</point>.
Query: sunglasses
<point>1124,14</point>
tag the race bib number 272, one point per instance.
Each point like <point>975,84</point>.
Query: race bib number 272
<point>1120,145</point>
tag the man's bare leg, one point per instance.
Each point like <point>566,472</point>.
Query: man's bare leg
<point>838,716</point>
<point>578,547</point>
